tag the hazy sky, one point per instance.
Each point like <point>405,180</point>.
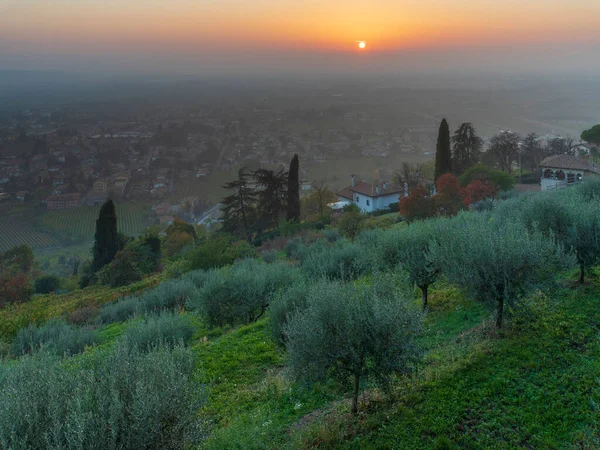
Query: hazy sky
<point>212,36</point>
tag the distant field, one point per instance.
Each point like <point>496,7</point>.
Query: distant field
<point>17,230</point>
<point>51,228</point>
<point>132,219</point>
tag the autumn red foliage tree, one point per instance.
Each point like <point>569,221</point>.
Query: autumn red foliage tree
<point>476,191</point>
<point>14,288</point>
<point>417,205</point>
<point>448,197</point>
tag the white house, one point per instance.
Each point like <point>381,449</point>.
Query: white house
<point>371,197</point>
<point>559,171</point>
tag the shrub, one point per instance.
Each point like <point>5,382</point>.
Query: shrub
<point>121,271</point>
<point>242,293</point>
<point>353,331</point>
<point>167,296</point>
<point>119,311</point>
<point>46,284</point>
<point>196,277</point>
<point>270,256</point>
<point>342,261</point>
<point>167,329</point>
<point>56,337</point>
<point>83,315</point>
<point>502,180</point>
<point>288,300</point>
<point>293,247</point>
<point>112,398</point>
<point>218,252</point>
<point>332,235</point>
<point>351,221</point>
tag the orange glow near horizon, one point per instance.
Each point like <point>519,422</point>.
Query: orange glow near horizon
<point>285,25</point>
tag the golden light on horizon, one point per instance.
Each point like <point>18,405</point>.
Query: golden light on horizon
<point>362,44</point>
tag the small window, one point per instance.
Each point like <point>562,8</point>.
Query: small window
<point>357,199</point>
<point>579,177</point>
<point>368,203</point>
<point>570,177</point>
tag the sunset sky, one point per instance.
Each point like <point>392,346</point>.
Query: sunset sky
<point>223,35</point>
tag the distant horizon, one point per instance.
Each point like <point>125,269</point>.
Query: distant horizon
<point>222,37</point>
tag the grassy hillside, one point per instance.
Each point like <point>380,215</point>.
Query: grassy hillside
<point>332,342</point>
<point>533,385</point>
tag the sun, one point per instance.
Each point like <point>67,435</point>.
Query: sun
<point>362,44</point>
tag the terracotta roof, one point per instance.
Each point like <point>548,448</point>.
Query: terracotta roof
<point>569,162</point>
<point>368,189</point>
<point>346,193</point>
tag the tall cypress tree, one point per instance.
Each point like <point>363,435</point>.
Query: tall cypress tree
<point>443,155</point>
<point>293,207</point>
<point>106,242</point>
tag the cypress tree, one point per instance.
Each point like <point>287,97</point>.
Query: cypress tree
<point>106,242</point>
<point>443,155</point>
<point>293,207</point>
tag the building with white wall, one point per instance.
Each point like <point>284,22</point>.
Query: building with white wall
<point>560,171</point>
<point>370,197</point>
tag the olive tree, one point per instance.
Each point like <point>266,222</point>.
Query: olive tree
<point>413,250</point>
<point>499,264</point>
<point>584,235</point>
<point>353,331</point>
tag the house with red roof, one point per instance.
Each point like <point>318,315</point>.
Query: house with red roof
<point>370,197</point>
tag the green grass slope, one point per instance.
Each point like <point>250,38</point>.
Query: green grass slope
<point>535,384</point>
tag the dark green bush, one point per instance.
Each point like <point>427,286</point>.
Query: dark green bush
<point>196,277</point>
<point>119,311</point>
<point>218,252</point>
<point>109,399</point>
<point>502,180</point>
<point>332,235</point>
<point>287,302</point>
<point>293,247</point>
<point>167,296</point>
<point>167,328</point>
<point>342,261</point>
<point>55,336</point>
<point>46,284</point>
<point>242,293</point>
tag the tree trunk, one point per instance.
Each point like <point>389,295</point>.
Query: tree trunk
<point>246,231</point>
<point>354,408</point>
<point>424,290</point>
<point>500,311</point>
<point>581,273</point>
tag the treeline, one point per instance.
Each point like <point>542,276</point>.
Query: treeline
<point>463,149</point>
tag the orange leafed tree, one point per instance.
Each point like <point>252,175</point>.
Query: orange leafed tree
<point>476,191</point>
<point>418,205</point>
<point>448,198</point>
